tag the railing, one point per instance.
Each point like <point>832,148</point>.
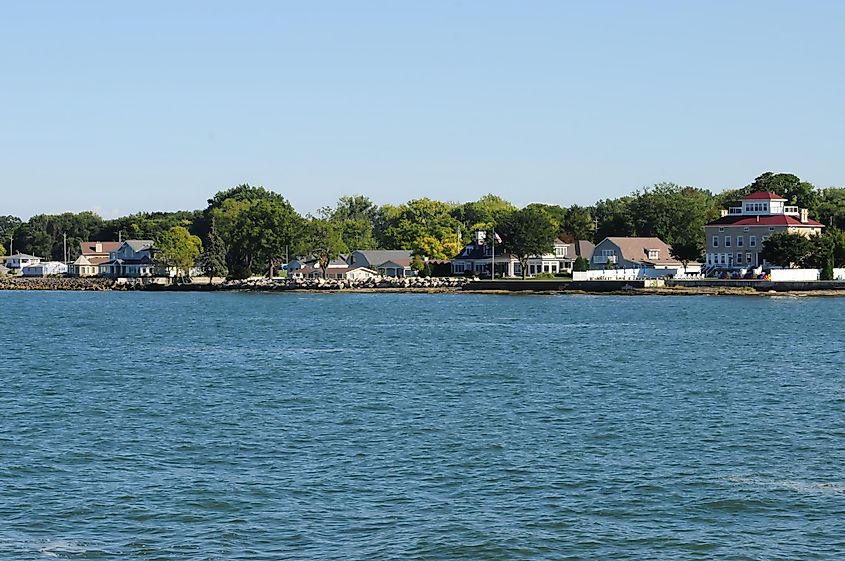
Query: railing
<point>600,259</point>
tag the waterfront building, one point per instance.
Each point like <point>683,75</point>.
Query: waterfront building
<point>477,258</point>
<point>20,260</point>
<point>91,256</point>
<point>734,241</point>
<point>45,269</point>
<point>638,253</point>
<point>134,258</point>
<point>388,262</point>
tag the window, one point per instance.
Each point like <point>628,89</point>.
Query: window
<point>715,241</point>
<point>721,229</point>
<point>752,241</point>
<point>747,207</point>
<point>765,207</point>
<point>739,241</point>
<point>748,257</point>
<point>653,254</point>
<point>727,241</point>
<point>764,238</point>
<point>739,257</point>
<point>771,228</point>
<point>745,229</point>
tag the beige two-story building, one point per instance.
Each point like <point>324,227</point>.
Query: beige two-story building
<point>735,240</point>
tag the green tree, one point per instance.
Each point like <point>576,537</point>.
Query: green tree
<point>614,218</point>
<point>525,233</point>
<point>355,216</point>
<point>556,214</point>
<point>789,186</point>
<point>8,227</point>
<point>672,213</point>
<point>325,241</point>
<point>581,264</point>
<point>180,249</point>
<point>257,226</point>
<point>578,224</point>
<point>686,251</point>
<point>213,258</point>
<point>482,214</point>
<point>831,208</point>
<point>424,226</point>
<point>785,249</point>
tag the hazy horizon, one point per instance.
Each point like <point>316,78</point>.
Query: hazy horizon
<point>122,109</point>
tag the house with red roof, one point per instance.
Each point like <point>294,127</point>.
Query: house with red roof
<point>735,239</point>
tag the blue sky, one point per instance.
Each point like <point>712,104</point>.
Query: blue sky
<point>121,107</point>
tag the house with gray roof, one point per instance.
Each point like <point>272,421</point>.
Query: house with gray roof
<point>637,253</point>
<point>388,262</point>
<point>134,258</point>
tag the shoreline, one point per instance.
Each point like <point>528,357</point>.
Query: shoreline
<point>459,286</point>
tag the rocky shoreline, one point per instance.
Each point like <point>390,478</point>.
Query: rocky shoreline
<point>387,284</point>
<point>60,283</point>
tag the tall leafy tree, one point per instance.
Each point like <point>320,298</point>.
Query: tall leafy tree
<point>424,226</point>
<point>482,214</point>
<point>578,224</point>
<point>325,241</point>
<point>213,258</point>
<point>687,251</point>
<point>670,212</point>
<point>614,218</point>
<point>786,249</point>
<point>527,232</point>
<point>258,227</point>
<point>180,249</point>
<point>790,186</point>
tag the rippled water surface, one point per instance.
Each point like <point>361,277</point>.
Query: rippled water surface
<point>436,427</point>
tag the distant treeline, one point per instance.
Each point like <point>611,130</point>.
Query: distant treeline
<point>249,229</point>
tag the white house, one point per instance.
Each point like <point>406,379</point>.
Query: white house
<point>45,269</point>
<point>20,260</point>
<point>477,258</point>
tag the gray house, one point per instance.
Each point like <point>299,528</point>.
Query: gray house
<point>388,262</point>
<point>635,253</point>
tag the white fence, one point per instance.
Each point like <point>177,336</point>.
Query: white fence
<point>625,274</point>
<point>786,275</point>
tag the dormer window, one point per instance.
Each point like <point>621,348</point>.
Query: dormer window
<point>653,253</point>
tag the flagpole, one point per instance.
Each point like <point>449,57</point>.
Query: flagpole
<point>493,258</point>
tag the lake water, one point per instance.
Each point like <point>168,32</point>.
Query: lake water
<point>421,427</point>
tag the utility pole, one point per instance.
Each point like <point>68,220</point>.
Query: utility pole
<point>64,244</point>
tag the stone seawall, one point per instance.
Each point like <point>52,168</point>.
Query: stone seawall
<point>382,283</point>
<point>57,283</point>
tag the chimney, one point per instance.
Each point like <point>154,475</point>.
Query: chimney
<point>758,218</point>
<point>723,213</point>
<point>98,248</point>
<point>804,215</point>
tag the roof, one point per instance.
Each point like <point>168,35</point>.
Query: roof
<point>476,252</point>
<point>139,245</point>
<point>373,256</point>
<point>20,255</point>
<point>772,220</point>
<point>142,261</point>
<point>636,249</point>
<point>391,265</point>
<point>763,195</point>
<point>584,248</point>
<point>88,248</point>
<point>82,260</point>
